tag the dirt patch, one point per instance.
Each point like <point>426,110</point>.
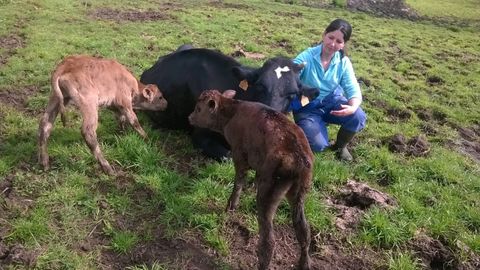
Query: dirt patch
<point>365,81</point>
<point>130,15</point>
<point>416,146</point>
<point>398,114</point>
<point>469,142</point>
<point>435,80</point>
<point>285,44</point>
<point>432,252</point>
<point>287,14</point>
<point>333,254</point>
<point>326,251</point>
<point>17,255</point>
<point>243,246</point>
<point>240,52</point>
<point>429,115</point>
<point>10,44</point>
<point>221,4</point>
<point>18,97</point>
<point>12,41</point>
<point>387,8</point>
<point>185,253</point>
<point>353,200</point>
<point>429,129</point>
<point>381,104</point>
<point>6,186</point>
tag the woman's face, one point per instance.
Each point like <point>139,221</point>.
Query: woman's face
<point>333,42</point>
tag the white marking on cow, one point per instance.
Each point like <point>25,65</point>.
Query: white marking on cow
<point>279,71</point>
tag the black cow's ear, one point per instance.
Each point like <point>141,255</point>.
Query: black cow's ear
<point>244,73</point>
<point>311,92</point>
<point>298,67</point>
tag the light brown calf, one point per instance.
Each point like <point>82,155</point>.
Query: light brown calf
<point>276,148</point>
<point>90,83</point>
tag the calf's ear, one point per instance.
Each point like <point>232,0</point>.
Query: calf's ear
<point>212,105</point>
<point>229,93</point>
<point>148,94</point>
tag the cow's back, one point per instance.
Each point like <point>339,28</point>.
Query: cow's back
<point>183,76</point>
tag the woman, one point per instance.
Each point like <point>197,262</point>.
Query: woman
<point>329,69</point>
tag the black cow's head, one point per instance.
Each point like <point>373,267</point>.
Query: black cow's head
<point>275,84</point>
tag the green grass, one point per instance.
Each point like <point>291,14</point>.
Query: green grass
<point>123,241</point>
<point>403,261</point>
<point>167,184</point>
<point>381,229</point>
<point>461,9</point>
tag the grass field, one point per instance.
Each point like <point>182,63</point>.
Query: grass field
<point>165,210</point>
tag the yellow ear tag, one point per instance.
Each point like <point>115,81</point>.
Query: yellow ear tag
<point>244,85</point>
<point>304,101</point>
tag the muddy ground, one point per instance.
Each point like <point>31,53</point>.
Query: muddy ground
<point>190,252</point>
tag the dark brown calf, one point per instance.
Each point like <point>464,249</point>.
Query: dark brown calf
<point>90,83</point>
<point>269,143</point>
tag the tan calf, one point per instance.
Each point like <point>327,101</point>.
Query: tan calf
<point>90,83</point>
<point>276,148</point>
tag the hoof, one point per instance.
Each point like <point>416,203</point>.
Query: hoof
<point>107,169</point>
<point>44,162</point>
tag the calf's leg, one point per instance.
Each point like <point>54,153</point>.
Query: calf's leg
<point>269,195</point>
<point>133,120</point>
<point>89,133</point>
<point>296,198</point>
<point>241,169</point>
<point>45,128</point>
<point>122,120</point>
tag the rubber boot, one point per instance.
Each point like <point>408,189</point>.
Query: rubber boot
<point>340,146</point>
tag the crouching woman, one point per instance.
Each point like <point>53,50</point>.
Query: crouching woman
<point>328,68</point>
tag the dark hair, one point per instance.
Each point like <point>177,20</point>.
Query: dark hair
<point>341,25</point>
<point>344,27</point>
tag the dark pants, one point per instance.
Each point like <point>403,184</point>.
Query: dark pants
<point>315,116</point>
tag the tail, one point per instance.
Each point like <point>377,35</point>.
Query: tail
<point>58,92</point>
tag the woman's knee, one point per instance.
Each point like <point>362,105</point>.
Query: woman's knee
<point>318,144</point>
<point>357,122</point>
<point>316,136</point>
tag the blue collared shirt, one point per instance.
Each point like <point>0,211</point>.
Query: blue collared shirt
<point>339,73</point>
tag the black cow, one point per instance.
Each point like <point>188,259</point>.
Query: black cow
<point>184,74</point>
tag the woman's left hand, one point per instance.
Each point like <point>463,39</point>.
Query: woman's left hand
<point>349,108</point>
<point>344,111</point>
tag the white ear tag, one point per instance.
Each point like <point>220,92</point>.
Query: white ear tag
<point>279,71</point>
